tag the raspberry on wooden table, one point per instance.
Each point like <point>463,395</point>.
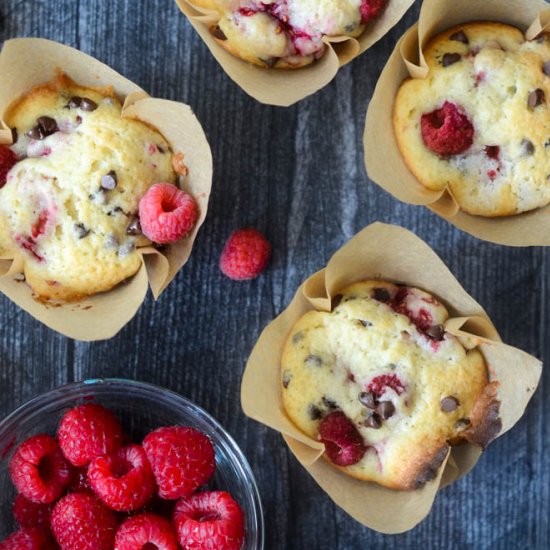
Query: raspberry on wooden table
<point>209,520</point>
<point>88,431</point>
<point>245,255</point>
<point>146,531</point>
<point>123,479</point>
<point>81,522</point>
<point>343,443</point>
<point>7,161</point>
<point>28,539</point>
<point>39,470</point>
<point>30,514</point>
<point>182,459</point>
<point>166,213</point>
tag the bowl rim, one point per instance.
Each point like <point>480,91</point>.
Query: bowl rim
<point>240,461</point>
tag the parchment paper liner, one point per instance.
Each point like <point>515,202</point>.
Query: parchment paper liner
<point>285,87</point>
<point>384,162</point>
<point>27,62</point>
<point>392,253</point>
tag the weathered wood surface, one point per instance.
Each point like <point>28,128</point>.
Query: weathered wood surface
<point>298,175</point>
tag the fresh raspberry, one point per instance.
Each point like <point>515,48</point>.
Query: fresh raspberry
<point>422,319</point>
<point>28,539</point>
<point>371,9</point>
<point>166,213</point>
<point>378,385</point>
<point>123,479</point>
<point>447,131</point>
<point>209,520</point>
<point>182,459</point>
<point>245,255</point>
<point>7,161</point>
<point>88,431</point>
<point>31,514</point>
<point>343,443</point>
<point>146,531</point>
<point>81,522</point>
<point>39,470</point>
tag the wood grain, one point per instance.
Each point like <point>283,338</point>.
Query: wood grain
<point>298,175</point>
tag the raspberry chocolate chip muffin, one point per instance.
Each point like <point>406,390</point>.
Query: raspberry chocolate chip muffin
<point>384,387</point>
<point>479,123</point>
<point>287,34</point>
<point>79,175</point>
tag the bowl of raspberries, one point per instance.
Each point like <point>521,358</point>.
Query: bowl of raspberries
<point>117,464</point>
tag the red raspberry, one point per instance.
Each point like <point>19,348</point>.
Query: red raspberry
<point>39,470</point>
<point>28,539</point>
<point>343,443</point>
<point>422,319</point>
<point>146,531</point>
<point>88,431</point>
<point>182,460</point>
<point>371,9</point>
<point>31,514</point>
<point>81,522</point>
<point>245,255</point>
<point>166,213</point>
<point>209,520</point>
<point>447,131</point>
<point>7,161</point>
<point>123,480</point>
<point>378,385</point>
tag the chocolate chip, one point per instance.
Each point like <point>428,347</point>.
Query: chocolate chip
<point>78,119</point>
<point>381,294</point>
<point>134,227</point>
<point>449,404</point>
<point>385,410</point>
<point>314,412</point>
<point>373,421</point>
<point>81,230</point>
<point>218,33</point>
<point>546,68</point>
<point>536,98</point>
<point>365,323</point>
<point>450,59</point>
<point>459,36</point>
<point>436,332</point>
<point>287,377</point>
<point>314,360</point>
<point>271,61</point>
<point>86,104</point>
<point>527,147</point>
<point>462,423</point>
<point>48,125</point>
<point>329,403</point>
<point>109,181</point>
<point>35,133</point>
<point>366,398</point>
<point>74,102</point>
<point>161,149</point>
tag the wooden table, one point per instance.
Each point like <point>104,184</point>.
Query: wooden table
<point>297,174</point>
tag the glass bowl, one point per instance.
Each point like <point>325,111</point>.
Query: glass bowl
<point>141,408</point>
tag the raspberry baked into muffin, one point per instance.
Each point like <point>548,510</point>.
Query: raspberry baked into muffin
<point>75,185</point>
<point>287,34</point>
<point>479,123</point>
<point>384,387</point>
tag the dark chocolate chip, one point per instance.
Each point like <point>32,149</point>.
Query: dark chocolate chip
<point>536,98</point>
<point>527,147</point>
<point>430,469</point>
<point>218,33</point>
<point>366,398</point>
<point>381,294</point>
<point>286,379</point>
<point>385,410</point>
<point>314,412</point>
<point>161,149</point>
<point>86,104</point>
<point>335,302</point>
<point>459,36</point>
<point>35,133</point>
<point>373,421</point>
<point>78,119</point>
<point>271,61</point>
<point>546,68</point>
<point>298,337</point>
<point>314,360</point>
<point>365,323</point>
<point>436,332</point>
<point>109,181</point>
<point>329,403</point>
<point>81,230</point>
<point>134,227</point>
<point>450,59</point>
<point>48,125</point>
<point>14,135</point>
<point>74,102</point>
<point>449,404</point>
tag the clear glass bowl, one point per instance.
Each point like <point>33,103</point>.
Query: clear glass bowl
<point>141,408</point>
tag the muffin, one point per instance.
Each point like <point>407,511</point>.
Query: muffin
<point>287,34</point>
<point>479,123</point>
<point>381,383</point>
<point>70,203</point>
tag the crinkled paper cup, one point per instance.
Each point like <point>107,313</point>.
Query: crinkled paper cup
<point>28,62</point>
<point>383,160</point>
<point>389,253</point>
<point>286,87</point>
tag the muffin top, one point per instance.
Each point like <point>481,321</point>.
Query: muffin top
<point>384,386</point>
<point>287,33</point>
<point>479,122</point>
<point>70,203</point>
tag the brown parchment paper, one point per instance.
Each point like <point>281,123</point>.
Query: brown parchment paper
<point>390,253</point>
<point>383,161</point>
<point>286,87</point>
<point>27,62</point>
